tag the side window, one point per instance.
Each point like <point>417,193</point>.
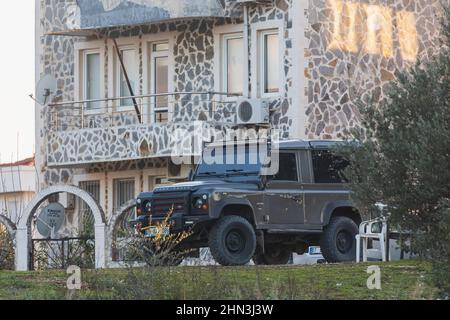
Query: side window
<point>160,81</point>
<point>270,62</point>
<point>288,168</point>
<point>129,60</point>
<point>328,167</point>
<point>91,79</point>
<point>232,60</point>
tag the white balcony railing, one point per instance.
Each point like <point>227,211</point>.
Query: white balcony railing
<point>143,109</point>
<point>132,128</point>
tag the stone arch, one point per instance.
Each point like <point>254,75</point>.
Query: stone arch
<point>23,233</point>
<point>9,225</point>
<point>112,227</point>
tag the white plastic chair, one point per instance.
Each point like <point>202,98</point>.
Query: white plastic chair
<point>366,233</point>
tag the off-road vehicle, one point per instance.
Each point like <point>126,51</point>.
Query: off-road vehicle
<point>242,215</point>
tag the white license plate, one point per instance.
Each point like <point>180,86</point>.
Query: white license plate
<point>315,251</point>
<point>154,232</point>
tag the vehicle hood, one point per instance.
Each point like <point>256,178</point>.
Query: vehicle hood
<point>193,186</point>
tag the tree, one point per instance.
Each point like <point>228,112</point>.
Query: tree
<point>403,157</point>
<point>6,250</point>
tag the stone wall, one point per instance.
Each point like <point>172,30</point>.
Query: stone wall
<point>128,143</point>
<point>355,48</point>
<point>104,13</point>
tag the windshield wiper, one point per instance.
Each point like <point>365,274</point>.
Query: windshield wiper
<point>241,172</point>
<point>211,173</point>
<point>228,173</point>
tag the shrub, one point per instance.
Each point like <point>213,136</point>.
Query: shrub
<point>403,160</point>
<point>6,250</point>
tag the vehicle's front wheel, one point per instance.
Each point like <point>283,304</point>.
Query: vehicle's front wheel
<point>232,241</point>
<point>273,255</point>
<point>338,242</point>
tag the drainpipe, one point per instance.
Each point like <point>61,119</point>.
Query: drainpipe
<point>246,52</point>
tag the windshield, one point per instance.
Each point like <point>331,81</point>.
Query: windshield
<point>230,161</point>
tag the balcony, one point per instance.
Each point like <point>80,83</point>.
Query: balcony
<point>96,131</point>
<point>97,14</point>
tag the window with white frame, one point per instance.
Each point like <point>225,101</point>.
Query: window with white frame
<point>124,191</point>
<point>269,57</point>
<point>129,58</point>
<point>233,63</point>
<point>86,217</point>
<point>91,78</point>
<point>159,65</point>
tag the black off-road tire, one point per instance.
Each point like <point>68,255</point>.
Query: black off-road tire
<point>338,242</point>
<point>232,241</point>
<point>273,256</point>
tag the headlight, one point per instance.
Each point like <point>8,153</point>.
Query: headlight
<point>200,203</point>
<point>148,207</point>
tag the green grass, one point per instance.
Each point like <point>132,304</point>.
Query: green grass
<point>400,280</point>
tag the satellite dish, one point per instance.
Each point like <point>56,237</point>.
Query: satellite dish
<point>45,88</point>
<point>51,219</point>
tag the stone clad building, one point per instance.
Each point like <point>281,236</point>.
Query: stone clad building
<point>107,131</point>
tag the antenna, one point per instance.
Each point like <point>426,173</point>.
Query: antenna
<point>3,190</point>
<point>45,88</point>
<point>13,185</point>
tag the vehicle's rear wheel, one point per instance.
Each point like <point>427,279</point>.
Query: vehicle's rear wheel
<point>232,241</point>
<point>338,242</point>
<point>273,255</point>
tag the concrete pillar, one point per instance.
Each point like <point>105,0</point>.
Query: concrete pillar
<point>22,250</point>
<point>100,246</point>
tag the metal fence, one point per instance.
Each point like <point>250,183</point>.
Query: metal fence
<point>141,109</point>
<point>62,253</point>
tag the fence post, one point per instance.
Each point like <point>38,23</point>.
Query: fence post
<point>82,116</point>
<point>100,246</point>
<point>22,253</point>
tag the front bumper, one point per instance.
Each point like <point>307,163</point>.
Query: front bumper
<point>178,222</point>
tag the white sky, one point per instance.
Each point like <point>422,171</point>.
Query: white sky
<point>16,79</point>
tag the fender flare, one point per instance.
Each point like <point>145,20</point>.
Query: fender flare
<point>328,210</point>
<point>218,209</point>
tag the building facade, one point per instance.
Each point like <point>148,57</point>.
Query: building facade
<point>17,188</point>
<point>131,72</point>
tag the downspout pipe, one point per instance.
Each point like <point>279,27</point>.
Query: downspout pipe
<point>246,53</point>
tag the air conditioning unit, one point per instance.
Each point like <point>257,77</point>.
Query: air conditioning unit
<point>252,111</point>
